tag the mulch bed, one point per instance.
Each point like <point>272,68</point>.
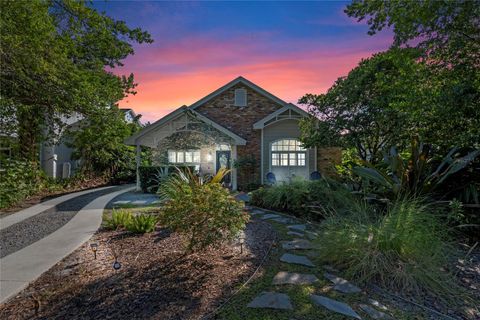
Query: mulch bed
<point>156,279</point>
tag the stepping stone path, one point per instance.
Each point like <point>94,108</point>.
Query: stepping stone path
<point>270,216</point>
<point>294,278</point>
<point>312,235</point>
<point>298,227</point>
<point>377,304</point>
<point>256,211</point>
<point>271,300</point>
<point>335,306</point>
<point>295,259</point>
<point>282,220</point>
<point>373,313</point>
<point>342,285</point>
<point>294,233</point>
<point>297,244</point>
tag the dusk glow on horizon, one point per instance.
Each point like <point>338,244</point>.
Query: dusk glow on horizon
<point>287,48</point>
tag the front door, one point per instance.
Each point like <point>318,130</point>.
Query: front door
<point>223,161</point>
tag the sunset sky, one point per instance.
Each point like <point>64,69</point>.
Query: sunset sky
<point>287,48</point>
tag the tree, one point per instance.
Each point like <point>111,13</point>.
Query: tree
<point>448,35</point>
<point>53,59</point>
<point>367,109</point>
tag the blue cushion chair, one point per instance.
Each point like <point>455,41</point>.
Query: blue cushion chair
<point>271,178</point>
<point>315,175</point>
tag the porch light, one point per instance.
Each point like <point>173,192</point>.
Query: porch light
<point>209,156</point>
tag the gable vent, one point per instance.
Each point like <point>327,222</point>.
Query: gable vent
<point>240,98</point>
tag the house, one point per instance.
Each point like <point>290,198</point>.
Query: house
<point>240,126</point>
<point>56,158</point>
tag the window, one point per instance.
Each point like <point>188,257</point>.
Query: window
<point>240,98</point>
<point>191,156</point>
<point>288,153</point>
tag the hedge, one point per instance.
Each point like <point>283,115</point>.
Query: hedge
<point>149,176</point>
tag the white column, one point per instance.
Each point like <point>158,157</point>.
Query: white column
<point>138,158</point>
<point>234,170</point>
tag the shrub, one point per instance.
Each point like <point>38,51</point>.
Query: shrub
<point>406,249</point>
<point>201,209</point>
<point>150,176</point>
<point>142,223</point>
<point>120,219</point>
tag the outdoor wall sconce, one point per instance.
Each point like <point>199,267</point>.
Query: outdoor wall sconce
<point>94,247</point>
<point>209,156</point>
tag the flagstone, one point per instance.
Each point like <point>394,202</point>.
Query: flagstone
<point>335,306</point>
<point>294,278</point>
<point>341,284</point>
<point>311,235</point>
<point>270,216</point>
<point>271,300</point>
<point>294,233</point>
<point>373,313</point>
<point>298,227</point>
<point>297,244</point>
<point>282,220</point>
<point>296,259</point>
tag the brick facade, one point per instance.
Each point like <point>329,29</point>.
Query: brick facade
<point>240,120</point>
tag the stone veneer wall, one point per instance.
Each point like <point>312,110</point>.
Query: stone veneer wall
<point>240,120</point>
<point>327,158</point>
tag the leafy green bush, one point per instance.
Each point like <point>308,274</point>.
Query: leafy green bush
<point>406,249</point>
<point>142,223</point>
<point>314,199</point>
<point>151,176</point>
<point>120,219</point>
<point>201,209</point>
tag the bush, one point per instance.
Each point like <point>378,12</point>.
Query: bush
<point>406,249</point>
<point>142,223</point>
<point>120,219</point>
<point>202,210</point>
<point>150,176</point>
<point>313,199</point>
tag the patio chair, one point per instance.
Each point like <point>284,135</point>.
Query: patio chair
<point>315,175</point>
<point>271,178</point>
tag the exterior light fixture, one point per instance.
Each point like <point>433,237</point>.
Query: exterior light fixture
<point>116,265</point>
<point>209,156</point>
<point>94,247</point>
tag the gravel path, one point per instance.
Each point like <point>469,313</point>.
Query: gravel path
<point>26,232</point>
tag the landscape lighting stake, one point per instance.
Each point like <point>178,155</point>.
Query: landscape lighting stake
<point>94,247</point>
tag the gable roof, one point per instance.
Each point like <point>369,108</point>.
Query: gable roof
<point>231,84</point>
<point>290,107</point>
<point>174,114</point>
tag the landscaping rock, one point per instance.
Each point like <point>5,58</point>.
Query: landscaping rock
<point>271,300</point>
<point>294,278</point>
<point>298,227</point>
<point>297,244</point>
<point>342,285</point>
<point>270,216</point>
<point>295,259</point>
<point>293,233</point>
<point>373,313</point>
<point>335,306</point>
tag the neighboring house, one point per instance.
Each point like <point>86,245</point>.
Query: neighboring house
<point>256,124</point>
<point>56,158</point>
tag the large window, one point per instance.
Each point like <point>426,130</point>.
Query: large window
<point>191,156</point>
<point>288,153</point>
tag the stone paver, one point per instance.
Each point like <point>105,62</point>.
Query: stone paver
<point>282,220</point>
<point>294,233</point>
<point>373,313</point>
<point>296,259</point>
<point>311,235</point>
<point>270,216</point>
<point>256,212</point>
<point>377,304</point>
<point>335,306</point>
<point>297,244</point>
<point>298,227</point>
<point>242,197</point>
<point>271,300</point>
<point>342,285</point>
<point>294,278</point>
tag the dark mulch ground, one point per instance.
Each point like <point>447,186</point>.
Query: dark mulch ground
<point>156,280</point>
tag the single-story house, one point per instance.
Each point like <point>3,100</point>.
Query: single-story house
<point>240,126</point>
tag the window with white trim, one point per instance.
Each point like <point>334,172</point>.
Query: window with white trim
<point>288,153</point>
<point>180,156</point>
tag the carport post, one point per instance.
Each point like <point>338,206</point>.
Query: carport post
<point>137,158</point>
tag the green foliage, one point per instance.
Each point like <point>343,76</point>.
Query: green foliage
<point>18,180</point>
<point>54,57</point>
<point>312,199</point>
<point>406,249</point>
<point>142,223</point>
<point>120,219</point>
<point>152,176</point>
<point>201,209</point>
<point>416,175</point>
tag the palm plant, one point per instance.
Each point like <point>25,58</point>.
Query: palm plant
<point>415,175</point>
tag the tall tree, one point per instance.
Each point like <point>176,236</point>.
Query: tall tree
<point>54,57</point>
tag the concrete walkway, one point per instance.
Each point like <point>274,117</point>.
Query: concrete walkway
<point>19,216</point>
<point>18,269</point>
